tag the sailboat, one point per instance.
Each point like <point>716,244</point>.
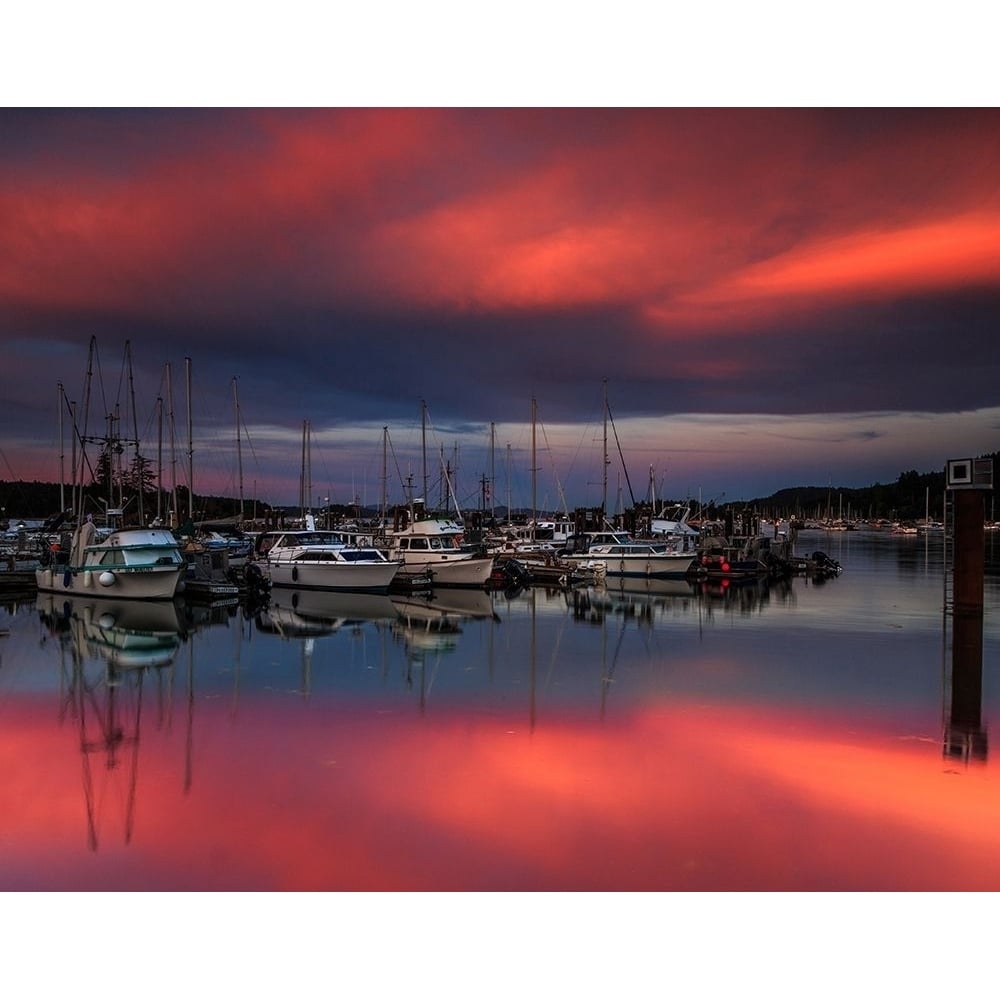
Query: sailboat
<point>433,546</point>
<point>144,563</point>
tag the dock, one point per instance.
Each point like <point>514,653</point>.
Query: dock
<point>18,581</point>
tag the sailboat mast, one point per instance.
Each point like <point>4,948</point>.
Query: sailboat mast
<point>187,379</point>
<point>423,441</point>
<point>443,501</point>
<point>385,475</point>
<point>72,417</point>
<point>493,472</point>
<point>78,498</point>
<point>174,514</point>
<point>534,469</point>
<point>508,482</point>
<point>139,465</point>
<point>302,474</point>
<point>604,488</point>
<point>62,452</point>
<point>239,446</point>
<point>111,439</point>
<point>451,490</point>
<point>159,459</point>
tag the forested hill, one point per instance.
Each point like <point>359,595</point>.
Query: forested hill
<point>905,499</point>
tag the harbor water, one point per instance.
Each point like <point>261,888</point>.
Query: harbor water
<point>793,735</point>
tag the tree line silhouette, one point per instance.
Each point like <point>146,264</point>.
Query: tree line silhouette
<point>906,499</point>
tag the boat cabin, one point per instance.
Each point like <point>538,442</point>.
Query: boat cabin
<point>581,543</point>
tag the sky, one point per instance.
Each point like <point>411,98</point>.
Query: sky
<point>763,297</point>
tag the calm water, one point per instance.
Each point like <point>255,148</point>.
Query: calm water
<point>798,737</point>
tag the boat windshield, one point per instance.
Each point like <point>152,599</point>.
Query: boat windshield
<point>140,556</point>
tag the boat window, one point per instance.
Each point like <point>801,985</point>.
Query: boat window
<point>362,555</point>
<point>155,557</point>
<point>436,543</point>
<point>418,543</point>
<point>327,538</point>
<point>115,557</point>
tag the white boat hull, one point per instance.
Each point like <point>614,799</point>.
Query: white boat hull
<point>474,572</point>
<point>368,577</point>
<point>658,567</point>
<point>140,583</point>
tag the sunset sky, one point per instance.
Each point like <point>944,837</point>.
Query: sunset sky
<point>775,297</point>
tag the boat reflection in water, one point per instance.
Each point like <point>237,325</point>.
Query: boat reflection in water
<point>126,634</point>
<point>634,598</point>
<point>307,615</point>
<point>298,613</point>
<point>429,625</point>
<point>431,621</point>
<point>111,646</point>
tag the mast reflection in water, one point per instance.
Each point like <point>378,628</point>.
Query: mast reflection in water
<point>794,735</point>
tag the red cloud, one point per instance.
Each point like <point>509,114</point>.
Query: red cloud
<point>953,253</point>
<point>682,216</point>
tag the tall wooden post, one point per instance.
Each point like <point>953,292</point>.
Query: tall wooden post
<point>970,551</point>
<point>968,480</point>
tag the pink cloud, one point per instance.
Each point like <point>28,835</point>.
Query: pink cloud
<point>683,217</point>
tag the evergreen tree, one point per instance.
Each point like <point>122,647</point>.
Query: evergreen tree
<point>140,476</point>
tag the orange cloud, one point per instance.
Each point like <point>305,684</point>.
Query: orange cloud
<point>686,218</point>
<point>954,253</point>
